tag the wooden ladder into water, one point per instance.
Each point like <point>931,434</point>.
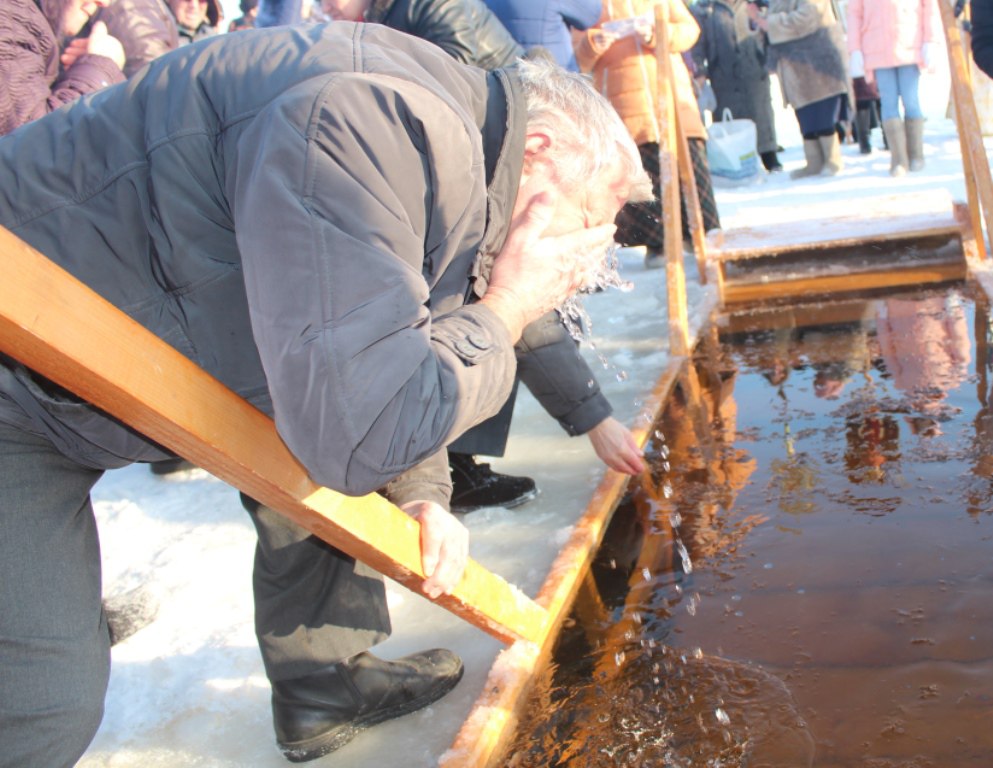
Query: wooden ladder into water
<point>906,240</point>
<point>911,239</point>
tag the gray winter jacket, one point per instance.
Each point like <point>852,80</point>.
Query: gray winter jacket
<point>309,240</point>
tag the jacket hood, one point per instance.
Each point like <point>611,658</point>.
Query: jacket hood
<point>54,11</point>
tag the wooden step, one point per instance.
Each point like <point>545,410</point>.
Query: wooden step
<point>808,228</point>
<point>891,242</point>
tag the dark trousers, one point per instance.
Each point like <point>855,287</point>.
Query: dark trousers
<point>641,223</point>
<point>488,438</point>
<point>314,605</point>
<point>54,643</point>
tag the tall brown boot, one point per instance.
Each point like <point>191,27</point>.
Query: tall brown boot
<point>831,149</point>
<point>915,143</point>
<point>815,159</point>
<point>896,137</point>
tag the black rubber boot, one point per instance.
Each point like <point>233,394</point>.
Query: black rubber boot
<point>321,712</point>
<point>475,485</point>
<point>770,161</point>
<point>863,127</point>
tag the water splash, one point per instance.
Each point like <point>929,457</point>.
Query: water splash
<point>573,313</point>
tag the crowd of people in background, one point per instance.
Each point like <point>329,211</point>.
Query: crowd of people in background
<point>843,68</point>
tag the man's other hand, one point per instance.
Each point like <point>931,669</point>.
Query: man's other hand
<point>444,546</point>
<point>616,446</point>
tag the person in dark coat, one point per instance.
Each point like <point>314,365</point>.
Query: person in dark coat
<point>146,28</point>
<point>982,34</point>
<point>548,24</point>
<point>39,73</point>
<point>303,213</point>
<point>866,112</point>
<point>465,29</point>
<point>249,9</point>
<point>734,61</point>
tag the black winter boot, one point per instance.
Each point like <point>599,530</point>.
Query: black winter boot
<point>863,127</point>
<point>170,466</point>
<point>770,161</point>
<point>321,712</point>
<point>476,485</point>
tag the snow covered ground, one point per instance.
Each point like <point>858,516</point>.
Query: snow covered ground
<point>189,690</point>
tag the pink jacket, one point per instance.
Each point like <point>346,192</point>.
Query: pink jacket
<point>890,33</point>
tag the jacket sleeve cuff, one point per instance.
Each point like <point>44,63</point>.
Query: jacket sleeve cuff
<point>586,415</point>
<point>96,71</point>
<point>430,480</point>
<point>473,333</point>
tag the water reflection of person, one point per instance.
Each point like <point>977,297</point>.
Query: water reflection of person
<point>926,352</point>
<point>837,353</point>
<point>705,467</point>
<point>871,440</point>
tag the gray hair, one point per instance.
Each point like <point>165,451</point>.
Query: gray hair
<point>591,139</point>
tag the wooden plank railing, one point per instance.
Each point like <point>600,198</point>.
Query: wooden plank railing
<point>976,169</point>
<point>57,326</point>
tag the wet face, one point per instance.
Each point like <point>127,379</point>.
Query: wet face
<point>78,12</point>
<point>344,10</point>
<point>577,206</point>
<point>189,13</point>
<point>590,205</point>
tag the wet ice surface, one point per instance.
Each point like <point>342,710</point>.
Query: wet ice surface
<point>189,690</point>
<point>817,588</point>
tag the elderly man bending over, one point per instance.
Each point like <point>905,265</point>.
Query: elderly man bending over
<point>303,213</point>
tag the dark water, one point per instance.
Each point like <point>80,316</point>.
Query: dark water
<point>806,576</point>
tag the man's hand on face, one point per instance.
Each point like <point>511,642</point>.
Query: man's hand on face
<point>444,546</point>
<point>533,274</point>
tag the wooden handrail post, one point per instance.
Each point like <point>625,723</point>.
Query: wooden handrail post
<point>57,326</point>
<point>976,169</point>
<point>665,108</point>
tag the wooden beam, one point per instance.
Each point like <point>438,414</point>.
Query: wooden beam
<point>835,233</point>
<point>665,109</point>
<point>488,730</point>
<point>890,277</point>
<point>691,199</point>
<point>975,164</point>
<point>60,328</point>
